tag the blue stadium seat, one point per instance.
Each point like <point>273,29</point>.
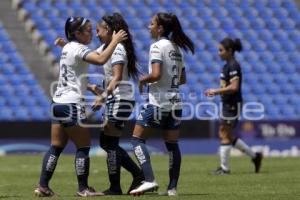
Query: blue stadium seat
<point>273,112</point>
<point>287,89</point>
<point>257,89</point>
<point>6,114</point>
<point>266,100</point>
<point>293,99</point>
<point>289,112</point>
<point>22,113</point>
<point>273,90</point>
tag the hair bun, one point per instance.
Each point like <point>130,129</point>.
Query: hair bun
<point>238,45</point>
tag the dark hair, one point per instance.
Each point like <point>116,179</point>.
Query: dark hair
<point>229,43</point>
<point>116,22</point>
<point>172,26</point>
<point>74,24</point>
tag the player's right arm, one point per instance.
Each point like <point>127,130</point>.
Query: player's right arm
<point>156,64</point>
<point>101,58</point>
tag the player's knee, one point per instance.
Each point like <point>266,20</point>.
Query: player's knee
<point>108,142</point>
<point>224,134</point>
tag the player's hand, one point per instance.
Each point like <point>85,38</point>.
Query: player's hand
<point>94,89</point>
<point>210,92</point>
<point>119,36</point>
<point>60,42</point>
<point>99,101</point>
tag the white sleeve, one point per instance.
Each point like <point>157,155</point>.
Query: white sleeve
<point>100,49</point>
<point>155,54</point>
<point>118,56</point>
<point>82,51</point>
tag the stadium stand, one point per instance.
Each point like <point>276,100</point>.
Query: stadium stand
<point>22,98</point>
<point>269,30</point>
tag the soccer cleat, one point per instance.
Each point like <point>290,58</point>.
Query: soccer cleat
<point>43,192</point>
<point>145,187</point>
<point>171,192</point>
<point>220,171</point>
<point>89,192</point>
<point>137,181</point>
<point>257,161</point>
<point>111,192</point>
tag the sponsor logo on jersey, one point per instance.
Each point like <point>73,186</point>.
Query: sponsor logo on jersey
<point>173,55</point>
<point>233,73</point>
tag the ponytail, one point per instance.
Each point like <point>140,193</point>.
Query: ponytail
<point>238,45</point>
<point>173,29</point>
<point>234,45</point>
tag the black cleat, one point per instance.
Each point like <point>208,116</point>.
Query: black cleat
<point>137,181</point>
<point>220,171</point>
<point>112,192</point>
<point>257,161</point>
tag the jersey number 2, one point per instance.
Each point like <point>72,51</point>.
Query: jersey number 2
<point>175,81</point>
<point>64,75</point>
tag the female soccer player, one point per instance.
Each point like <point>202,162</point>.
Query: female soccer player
<point>163,111</point>
<point>119,102</point>
<point>231,94</point>
<point>67,106</point>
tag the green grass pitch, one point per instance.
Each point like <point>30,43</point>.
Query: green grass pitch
<point>279,178</point>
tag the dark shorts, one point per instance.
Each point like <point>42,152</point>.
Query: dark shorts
<point>67,114</point>
<point>118,111</point>
<point>154,117</point>
<point>230,114</point>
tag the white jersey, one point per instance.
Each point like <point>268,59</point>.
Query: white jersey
<point>164,93</point>
<point>124,90</point>
<point>72,83</point>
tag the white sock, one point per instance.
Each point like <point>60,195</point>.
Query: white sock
<point>242,146</point>
<point>224,156</point>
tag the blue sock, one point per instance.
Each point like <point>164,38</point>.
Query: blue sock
<point>174,163</point>
<point>82,166</point>
<point>143,157</point>
<point>49,164</point>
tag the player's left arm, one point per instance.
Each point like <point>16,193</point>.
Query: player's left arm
<point>154,76</point>
<point>234,86</point>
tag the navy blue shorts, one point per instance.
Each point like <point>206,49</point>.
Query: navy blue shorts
<point>155,117</point>
<point>117,111</point>
<point>230,114</point>
<point>67,114</point>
